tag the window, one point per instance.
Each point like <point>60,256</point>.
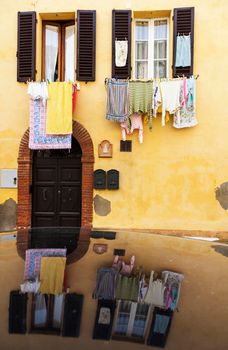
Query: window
<point>151,48</point>
<point>58,50</point>
<point>131,320</point>
<point>47,313</point>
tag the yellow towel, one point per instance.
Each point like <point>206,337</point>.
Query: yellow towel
<point>59,108</point>
<point>52,275</point>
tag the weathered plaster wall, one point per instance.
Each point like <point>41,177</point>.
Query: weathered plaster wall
<point>169,181</point>
<point>200,324</point>
<point>8,214</point>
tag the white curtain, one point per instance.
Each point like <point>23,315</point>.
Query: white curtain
<point>40,311</point>
<point>51,51</point>
<point>69,53</point>
<point>57,314</point>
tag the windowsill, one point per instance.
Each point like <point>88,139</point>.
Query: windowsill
<point>127,338</point>
<point>48,331</point>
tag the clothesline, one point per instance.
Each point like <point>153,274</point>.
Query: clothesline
<point>154,79</point>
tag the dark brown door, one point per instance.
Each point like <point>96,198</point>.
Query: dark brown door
<point>56,190</point>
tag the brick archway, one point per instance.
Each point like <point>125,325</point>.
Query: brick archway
<point>24,208</point>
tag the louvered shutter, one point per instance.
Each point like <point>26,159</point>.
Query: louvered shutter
<point>26,46</point>
<point>121,30</point>
<point>72,315</point>
<point>86,45</point>
<point>17,312</point>
<point>102,330</point>
<point>183,23</point>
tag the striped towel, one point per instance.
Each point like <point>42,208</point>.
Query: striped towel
<point>117,100</point>
<point>141,98</point>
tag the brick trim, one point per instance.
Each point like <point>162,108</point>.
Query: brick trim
<point>24,207</point>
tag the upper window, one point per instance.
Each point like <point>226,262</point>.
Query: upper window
<point>58,54</point>
<point>131,320</point>
<point>151,48</point>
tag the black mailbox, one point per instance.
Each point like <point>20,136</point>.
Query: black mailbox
<point>99,180</point>
<point>113,179</point>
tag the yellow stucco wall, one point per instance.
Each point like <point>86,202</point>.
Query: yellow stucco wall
<point>169,181</point>
<point>200,324</point>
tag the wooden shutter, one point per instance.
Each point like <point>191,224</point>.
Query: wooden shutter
<point>72,315</point>
<point>26,46</point>
<point>121,30</point>
<point>103,331</point>
<point>86,45</point>
<point>183,23</point>
<point>17,312</point>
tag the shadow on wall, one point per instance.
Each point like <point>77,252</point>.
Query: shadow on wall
<point>221,194</point>
<point>8,214</point>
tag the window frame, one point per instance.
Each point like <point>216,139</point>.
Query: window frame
<point>48,328</point>
<point>150,41</point>
<point>132,315</point>
<point>61,46</point>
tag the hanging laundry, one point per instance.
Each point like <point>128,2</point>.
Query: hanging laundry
<point>122,267</point>
<point>141,96</point>
<point>74,96</point>
<point>127,288</point>
<point>59,108</point>
<point>38,90</point>
<point>37,131</point>
<point>172,281</point>
<point>155,292</point>
<point>117,100</point>
<point>157,99</point>
<point>185,115</point>
<point>183,51</point>
<point>105,283</point>
<point>30,286</point>
<point>33,260</point>
<point>52,275</point>
<point>133,122</point>
<point>170,91</point>
<point>121,50</point>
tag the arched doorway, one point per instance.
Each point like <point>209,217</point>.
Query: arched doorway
<point>25,197</point>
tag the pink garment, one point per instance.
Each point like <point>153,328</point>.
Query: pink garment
<point>184,93</point>
<point>122,267</point>
<point>135,122</point>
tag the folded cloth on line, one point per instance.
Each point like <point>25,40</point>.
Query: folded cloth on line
<point>59,108</point>
<point>38,139</point>
<point>52,275</point>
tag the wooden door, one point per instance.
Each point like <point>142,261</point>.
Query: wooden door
<point>56,189</point>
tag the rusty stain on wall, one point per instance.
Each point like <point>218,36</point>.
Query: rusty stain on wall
<point>221,194</point>
<point>221,249</point>
<point>102,206</point>
<point>8,214</point>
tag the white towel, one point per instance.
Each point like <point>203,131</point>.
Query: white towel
<point>121,49</point>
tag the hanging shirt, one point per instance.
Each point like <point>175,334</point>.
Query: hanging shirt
<point>185,116</point>
<point>134,122</point>
<point>59,108</point>
<point>38,90</point>
<point>170,91</point>
<point>141,97</point>
<point>183,51</point>
<point>121,50</point>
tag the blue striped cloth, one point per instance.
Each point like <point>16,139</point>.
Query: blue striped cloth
<point>117,100</point>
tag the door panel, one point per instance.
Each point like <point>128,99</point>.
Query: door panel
<point>56,199</point>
